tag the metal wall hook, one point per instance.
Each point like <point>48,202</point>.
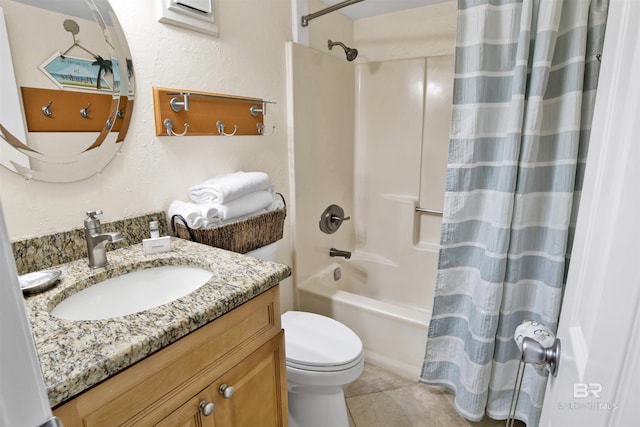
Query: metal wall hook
<point>220,127</point>
<point>168,125</point>
<point>46,109</point>
<point>177,105</point>
<point>84,112</point>
<point>255,110</point>
<point>261,127</point>
<point>112,119</point>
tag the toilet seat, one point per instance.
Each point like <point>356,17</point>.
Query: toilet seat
<point>318,343</point>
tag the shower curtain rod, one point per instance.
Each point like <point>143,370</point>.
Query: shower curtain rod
<point>305,19</point>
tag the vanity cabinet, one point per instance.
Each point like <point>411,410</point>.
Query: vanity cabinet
<point>251,400</point>
<point>230,372</point>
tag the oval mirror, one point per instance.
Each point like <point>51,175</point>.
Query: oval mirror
<point>66,85</point>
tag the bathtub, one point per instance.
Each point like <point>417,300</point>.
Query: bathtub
<point>393,331</point>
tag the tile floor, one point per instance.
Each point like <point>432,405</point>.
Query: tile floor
<point>380,398</point>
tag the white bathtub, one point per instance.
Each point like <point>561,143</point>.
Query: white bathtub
<point>393,332</point>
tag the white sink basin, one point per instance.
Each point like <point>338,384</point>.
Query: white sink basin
<point>132,292</point>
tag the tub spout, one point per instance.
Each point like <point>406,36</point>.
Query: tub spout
<point>337,252</point>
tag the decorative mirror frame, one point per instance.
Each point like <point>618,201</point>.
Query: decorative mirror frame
<point>15,152</point>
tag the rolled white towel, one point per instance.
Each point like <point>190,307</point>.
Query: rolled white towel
<point>218,223</point>
<point>277,203</point>
<point>209,215</point>
<point>237,208</point>
<point>225,188</point>
<point>191,212</point>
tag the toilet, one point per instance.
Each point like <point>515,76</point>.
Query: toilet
<point>322,356</point>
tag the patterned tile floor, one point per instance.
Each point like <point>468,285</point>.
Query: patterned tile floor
<point>380,398</point>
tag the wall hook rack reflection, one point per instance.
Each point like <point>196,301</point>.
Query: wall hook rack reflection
<point>84,112</point>
<point>168,125</point>
<point>220,127</point>
<point>113,117</point>
<point>261,127</point>
<point>46,109</point>
<point>52,110</point>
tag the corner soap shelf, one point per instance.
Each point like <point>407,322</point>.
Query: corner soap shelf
<point>180,112</point>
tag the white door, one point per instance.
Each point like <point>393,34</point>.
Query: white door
<point>598,382</point>
<point>23,395</point>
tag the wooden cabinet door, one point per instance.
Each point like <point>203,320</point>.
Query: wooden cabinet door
<point>189,415</point>
<point>244,347</point>
<point>259,389</point>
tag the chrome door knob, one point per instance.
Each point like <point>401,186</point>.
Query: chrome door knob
<point>226,391</point>
<point>206,408</point>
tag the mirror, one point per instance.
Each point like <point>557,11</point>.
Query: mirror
<point>66,85</point>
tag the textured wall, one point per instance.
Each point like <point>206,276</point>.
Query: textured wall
<point>248,58</point>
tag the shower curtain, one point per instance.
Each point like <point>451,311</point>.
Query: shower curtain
<point>525,79</point>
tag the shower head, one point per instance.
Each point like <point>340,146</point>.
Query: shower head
<point>351,53</point>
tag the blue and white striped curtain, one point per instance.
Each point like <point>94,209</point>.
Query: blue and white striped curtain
<point>525,82</point>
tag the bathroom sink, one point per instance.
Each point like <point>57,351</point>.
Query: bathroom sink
<point>132,292</point>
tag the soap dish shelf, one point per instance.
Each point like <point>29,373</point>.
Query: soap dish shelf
<point>38,281</point>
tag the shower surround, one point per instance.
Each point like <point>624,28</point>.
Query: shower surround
<point>371,137</point>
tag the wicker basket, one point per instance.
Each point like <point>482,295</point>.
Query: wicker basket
<point>242,236</point>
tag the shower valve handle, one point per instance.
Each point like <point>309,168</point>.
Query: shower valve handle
<point>332,218</point>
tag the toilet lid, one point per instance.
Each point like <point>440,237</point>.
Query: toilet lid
<point>318,342</point>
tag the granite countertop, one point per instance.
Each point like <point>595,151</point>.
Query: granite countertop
<point>75,355</point>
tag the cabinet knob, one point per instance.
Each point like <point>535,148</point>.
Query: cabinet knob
<point>226,391</point>
<point>206,408</point>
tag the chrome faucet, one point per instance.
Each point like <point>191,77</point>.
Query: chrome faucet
<point>337,252</point>
<point>97,240</point>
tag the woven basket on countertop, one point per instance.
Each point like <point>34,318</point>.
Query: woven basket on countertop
<point>242,236</point>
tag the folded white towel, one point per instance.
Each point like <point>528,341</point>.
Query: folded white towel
<point>218,223</point>
<point>277,203</point>
<point>245,205</point>
<point>224,188</point>
<point>206,215</point>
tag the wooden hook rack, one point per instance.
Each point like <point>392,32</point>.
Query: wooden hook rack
<point>202,111</point>
<point>65,107</point>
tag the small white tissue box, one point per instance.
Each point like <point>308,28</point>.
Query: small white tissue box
<point>156,245</point>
